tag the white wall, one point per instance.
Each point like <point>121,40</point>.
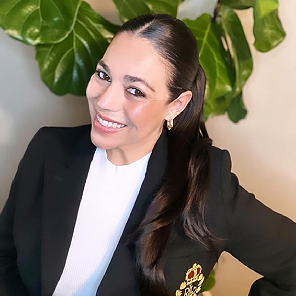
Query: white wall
<point>263,147</point>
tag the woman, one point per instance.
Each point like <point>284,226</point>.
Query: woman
<point>139,203</point>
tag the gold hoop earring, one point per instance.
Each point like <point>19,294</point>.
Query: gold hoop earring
<point>170,124</point>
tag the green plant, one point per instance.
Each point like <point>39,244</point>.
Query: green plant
<point>209,282</point>
<point>70,37</point>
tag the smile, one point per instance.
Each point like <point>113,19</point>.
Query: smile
<point>109,124</point>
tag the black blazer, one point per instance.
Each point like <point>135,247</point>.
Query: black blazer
<point>37,223</point>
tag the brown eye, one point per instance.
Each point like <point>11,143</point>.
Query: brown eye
<point>104,76</point>
<point>136,92</point>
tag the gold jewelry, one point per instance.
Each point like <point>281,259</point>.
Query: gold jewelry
<point>170,124</point>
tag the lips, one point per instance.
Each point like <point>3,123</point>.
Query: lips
<point>108,123</point>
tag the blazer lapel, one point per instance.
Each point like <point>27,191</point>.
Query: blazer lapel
<point>121,274</point>
<point>63,188</point>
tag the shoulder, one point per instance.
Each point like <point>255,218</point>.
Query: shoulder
<point>224,183</point>
<point>63,136</point>
<point>220,165</point>
<point>56,141</point>
<point>220,185</point>
<point>229,204</point>
<point>225,188</point>
<point>219,156</point>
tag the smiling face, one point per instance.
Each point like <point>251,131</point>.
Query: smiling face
<point>129,99</point>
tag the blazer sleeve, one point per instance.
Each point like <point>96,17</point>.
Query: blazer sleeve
<point>260,238</point>
<point>10,280</point>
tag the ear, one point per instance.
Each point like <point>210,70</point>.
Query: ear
<point>179,104</point>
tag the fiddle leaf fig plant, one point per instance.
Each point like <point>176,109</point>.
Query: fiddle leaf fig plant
<point>70,37</point>
<point>132,8</point>
<point>66,66</point>
<point>38,22</point>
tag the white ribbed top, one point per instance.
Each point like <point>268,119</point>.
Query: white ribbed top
<point>109,195</point>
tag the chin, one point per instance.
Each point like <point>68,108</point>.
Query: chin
<point>97,140</point>
<point>100,141</point>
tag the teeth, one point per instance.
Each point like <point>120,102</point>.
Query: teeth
<point>109,123</point>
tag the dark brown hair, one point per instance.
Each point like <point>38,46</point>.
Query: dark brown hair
<point>182,197</point>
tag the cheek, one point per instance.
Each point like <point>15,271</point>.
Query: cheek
<point>151,113</point>
<point>92,89</point>
<point>89,89</point>
<point>90,86</point>
<point>90,95</point>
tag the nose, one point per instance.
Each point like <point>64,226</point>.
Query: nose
<point>109,98</point>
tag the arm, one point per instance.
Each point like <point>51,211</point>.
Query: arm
<point>10,280</point>
<point>260,238</point>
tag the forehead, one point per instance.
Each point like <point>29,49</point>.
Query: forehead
<point>135,56</point>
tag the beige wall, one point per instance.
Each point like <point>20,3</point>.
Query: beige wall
<point>263,147</point>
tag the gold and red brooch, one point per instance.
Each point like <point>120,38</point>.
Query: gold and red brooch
<point>193,282</point>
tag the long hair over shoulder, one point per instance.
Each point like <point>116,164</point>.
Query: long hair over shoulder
<point>182,198</point>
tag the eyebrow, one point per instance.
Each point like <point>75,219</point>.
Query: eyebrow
<point>129,78</point>
<point>138,79</point>
<point>104,66</point>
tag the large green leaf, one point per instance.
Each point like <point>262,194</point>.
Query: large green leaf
<point>213,58</point>
<point>38,21</point>
<point>238,4</point>
<point>131,8</point>
<point>241,53</point>
<point>67,66</point>
<point>268,30</point>
<point>237,110</point>
<point>265,7</point>
<point>164,6</point>
<point>242,60</point>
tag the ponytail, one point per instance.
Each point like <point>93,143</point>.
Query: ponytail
<point>182,197</point>
<point>181,200</point>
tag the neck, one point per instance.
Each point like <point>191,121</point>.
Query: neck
<point>131,153</point>
<point>119,157</point>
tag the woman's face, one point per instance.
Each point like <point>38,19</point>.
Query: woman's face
<point>128,99</point>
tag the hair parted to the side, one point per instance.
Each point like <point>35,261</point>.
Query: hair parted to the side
<point>182,197</point>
